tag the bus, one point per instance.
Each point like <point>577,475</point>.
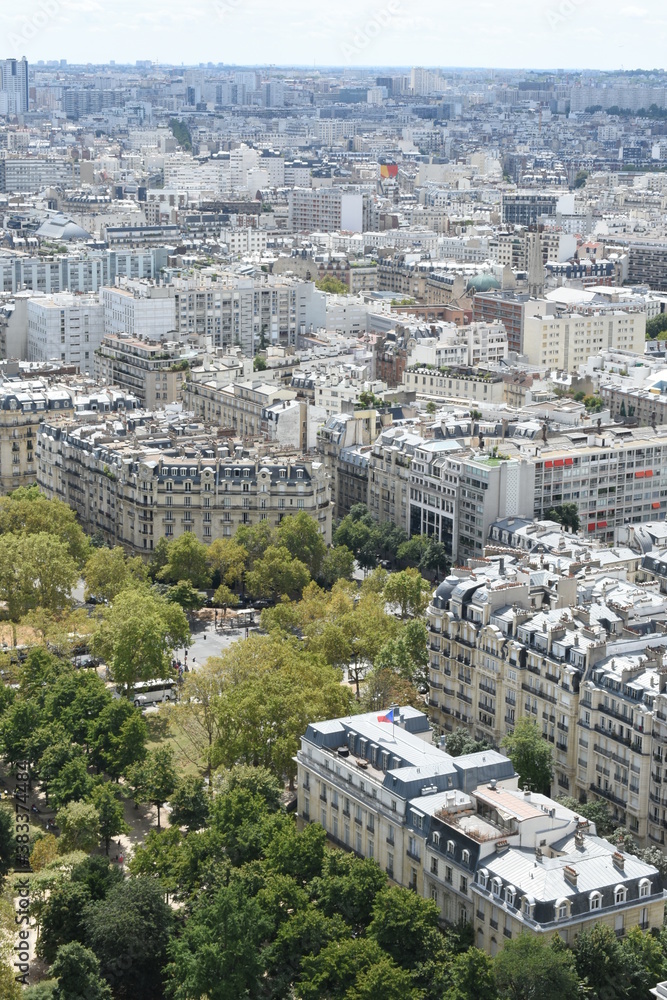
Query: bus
<point>152,692</point>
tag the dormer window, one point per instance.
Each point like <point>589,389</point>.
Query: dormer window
<point>482,879</point>
<point>620,893</point>
<point>644,887</point>
<point>528,906</point>
<point>497,886</point>
<point>509,895</point>
<point>450,847</point>
<point>595,901</point>
<point>465,857</point>
<point>436,839</point>
<point>562,909</point>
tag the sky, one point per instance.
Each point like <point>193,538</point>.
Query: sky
<point>567,34</point>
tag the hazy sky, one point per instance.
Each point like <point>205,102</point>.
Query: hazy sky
<point>603,34</point>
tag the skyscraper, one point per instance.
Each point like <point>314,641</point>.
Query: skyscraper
<point>14,98</point>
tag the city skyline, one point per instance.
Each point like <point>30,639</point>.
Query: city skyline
<point>567,34</point>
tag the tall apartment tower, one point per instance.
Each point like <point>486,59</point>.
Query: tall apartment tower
<point>535,268</point>
<point>14,97</point>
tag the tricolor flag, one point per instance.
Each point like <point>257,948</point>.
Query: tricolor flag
<point>387,717</point>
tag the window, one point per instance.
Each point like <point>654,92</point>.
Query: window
<point>448,874</point>
<point>509,895</point>
<point>450,847</point>
<point>595,901</point>
<point>434,866</point>
<point>436,839</point>
<point>496,886</point>
<point>434,894</point>
<point>463,884</point>
<point>481,879</point>
<point>465,857</point>
<point>644,887</point>
<point>620,894</point>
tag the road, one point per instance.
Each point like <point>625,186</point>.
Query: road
<point>207,641</point>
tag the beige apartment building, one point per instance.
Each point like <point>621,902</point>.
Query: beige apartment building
<point>152,370</point>
<point>136,482</point>
<point>237,407</point>
<point>458,830</point>
<point>458,384</point>
<point>566,341</point>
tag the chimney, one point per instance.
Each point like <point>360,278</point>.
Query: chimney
<point>619,860</point>
<point>571,876</point>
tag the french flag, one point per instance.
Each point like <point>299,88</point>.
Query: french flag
<point>387,717</point>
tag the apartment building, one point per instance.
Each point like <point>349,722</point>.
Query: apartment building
<point>460,384</point>
<point>23,406</point>
<point>246,312</point>
<point>457,830</point>
<point>24,174</point>
<point>449,345</point>
<point>525,208</point>
<point>125,479</point>
<point>326,210</point>
<point>237,407</point>
<point>647,265</point>
<point>76,272</point>
<point>140,309</point>
<point>14,89</point>
<point>152,370</point>
<point>510,309</point>
<point>65,327</point>
<point>643,405</point>
<point>567,340</point>
<point>389,462</point>
<point>512,640</point>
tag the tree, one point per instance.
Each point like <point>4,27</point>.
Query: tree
<point>154,779</point>
<point>7,840</point>
<point>595,810</point>
<point>471,977</point>
<point>656,326</point>
<point>35,571</point>
<point>44,852</point>
<point>187,560</point>
<point>300,535</point>
<point>71,784</point>
<point>431,408</point>
<point>332,285</point>
<point>407,654</point>
<point>218,954</point>
<point>333,971</point>
<point>117,737</point>
<point>27,511</point>
<point>110,811</point>
<point>387,980</point>
<point>108,571</point>
<point>255,539</point>
<point>10,989</point>
<point>460,742</point>
<point>224,598</point>
<point>601,962</point>
<point>227,560</point>
<point>79,824</point>
<point>186,596</point>
<point>348,887</point>
<point>528,967</point>
<point>566,514</point>
<point>338,564</point>
<point>62,919</point>
<point>189,804</point>
<point>277,573</point>
<point>404,925</point>
<point>129,931</point>
<point>195,719</point>
<point>138,634</point>
<point>78,973</point>
<point>531,756</point>
<point>383,687</point>
<point>409,590</point>
<point>259,363</point>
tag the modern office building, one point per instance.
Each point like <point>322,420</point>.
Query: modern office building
<point>14,88</point>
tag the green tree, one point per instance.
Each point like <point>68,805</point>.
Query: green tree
<point>186,596</point>
<point>277,573</point>
<point>154,779</point>
<point>255,539</point>
<point>387,980</point>
<point>224,598</point>
<point>531,756</point>
<point>227,560</point>
<point>349,887</point>
<point>218,954</point>
<point>62,918</point>
<point>117,737</point>
<point>111,815</point>
<point>566,514</point>
<point>333,971</point>
<point>431,408</point>
<point>595,810</point>
<point>79,824</point>
<point>338,564</point>
<point>35,571</point>
<point>300,535</point>
<point>7,840</point>
<point>601,963</point>
<point>77,971</point>
<point>332,285</point>
<point>656,326</point>
<point>72,784</point>
<point>108,571</point>
<point>187,560</point>
<point>44,852</point>
<point>137,636</point>
<point>404,925</point>
<point>529,967</point>
<point>409,590</point>
<point>460,742</point>
<point>259,363</point>
<point>471,977</point>
<point>27,511</point>
<point>133,922</point>
<point>196,720</point>
<point>189,804</point>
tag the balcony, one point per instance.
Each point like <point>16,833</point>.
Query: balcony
<point>607,794</point>
<point>413,855</point>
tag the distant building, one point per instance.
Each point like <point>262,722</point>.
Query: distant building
<point>14,89</point>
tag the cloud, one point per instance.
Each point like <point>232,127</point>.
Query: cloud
<point>634,11</point>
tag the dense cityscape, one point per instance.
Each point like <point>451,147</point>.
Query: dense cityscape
<point>333,528</point>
